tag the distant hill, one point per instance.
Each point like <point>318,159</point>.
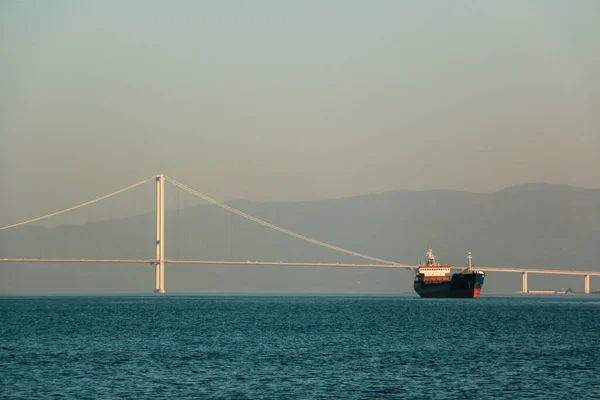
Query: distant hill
<point>536,225</point>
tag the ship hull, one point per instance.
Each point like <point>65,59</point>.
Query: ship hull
<point>462,285</point>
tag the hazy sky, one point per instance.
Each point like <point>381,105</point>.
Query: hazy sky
<point>272,100</point>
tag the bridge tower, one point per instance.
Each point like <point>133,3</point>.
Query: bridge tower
<point>159,286</point>
<point>524,283</point>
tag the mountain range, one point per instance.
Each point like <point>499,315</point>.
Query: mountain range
<point>535,225</point>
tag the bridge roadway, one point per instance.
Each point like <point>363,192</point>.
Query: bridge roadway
<point>523,271</point>
<point>292,264</point>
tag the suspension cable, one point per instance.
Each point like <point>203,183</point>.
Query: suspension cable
<point>78,206</point>
<point>287,232</point>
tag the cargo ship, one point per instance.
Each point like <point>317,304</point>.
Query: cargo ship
<point>435,280</point>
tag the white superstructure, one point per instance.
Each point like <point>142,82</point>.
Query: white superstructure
<point>431,268</point>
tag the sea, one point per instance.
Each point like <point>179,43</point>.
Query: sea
<point>299,347</point>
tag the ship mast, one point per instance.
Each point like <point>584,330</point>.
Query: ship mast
<point>470,258</point>
<point>430,258</point>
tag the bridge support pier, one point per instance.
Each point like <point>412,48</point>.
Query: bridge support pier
<point>157,278</point>
<point>159,286</point>
<point>586,284</point>
<point>524,283</point>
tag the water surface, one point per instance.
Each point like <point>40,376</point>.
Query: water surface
<point>302,347</point>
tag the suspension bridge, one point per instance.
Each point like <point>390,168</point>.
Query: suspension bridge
<point>159,260</point>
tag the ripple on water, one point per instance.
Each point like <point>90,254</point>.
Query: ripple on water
<point>299,347</point>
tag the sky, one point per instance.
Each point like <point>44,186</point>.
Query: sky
<point>286,101</point>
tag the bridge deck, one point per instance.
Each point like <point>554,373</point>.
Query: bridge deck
<point>294,264</point>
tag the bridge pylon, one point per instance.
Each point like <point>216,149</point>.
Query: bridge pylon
<point>159,286</point>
